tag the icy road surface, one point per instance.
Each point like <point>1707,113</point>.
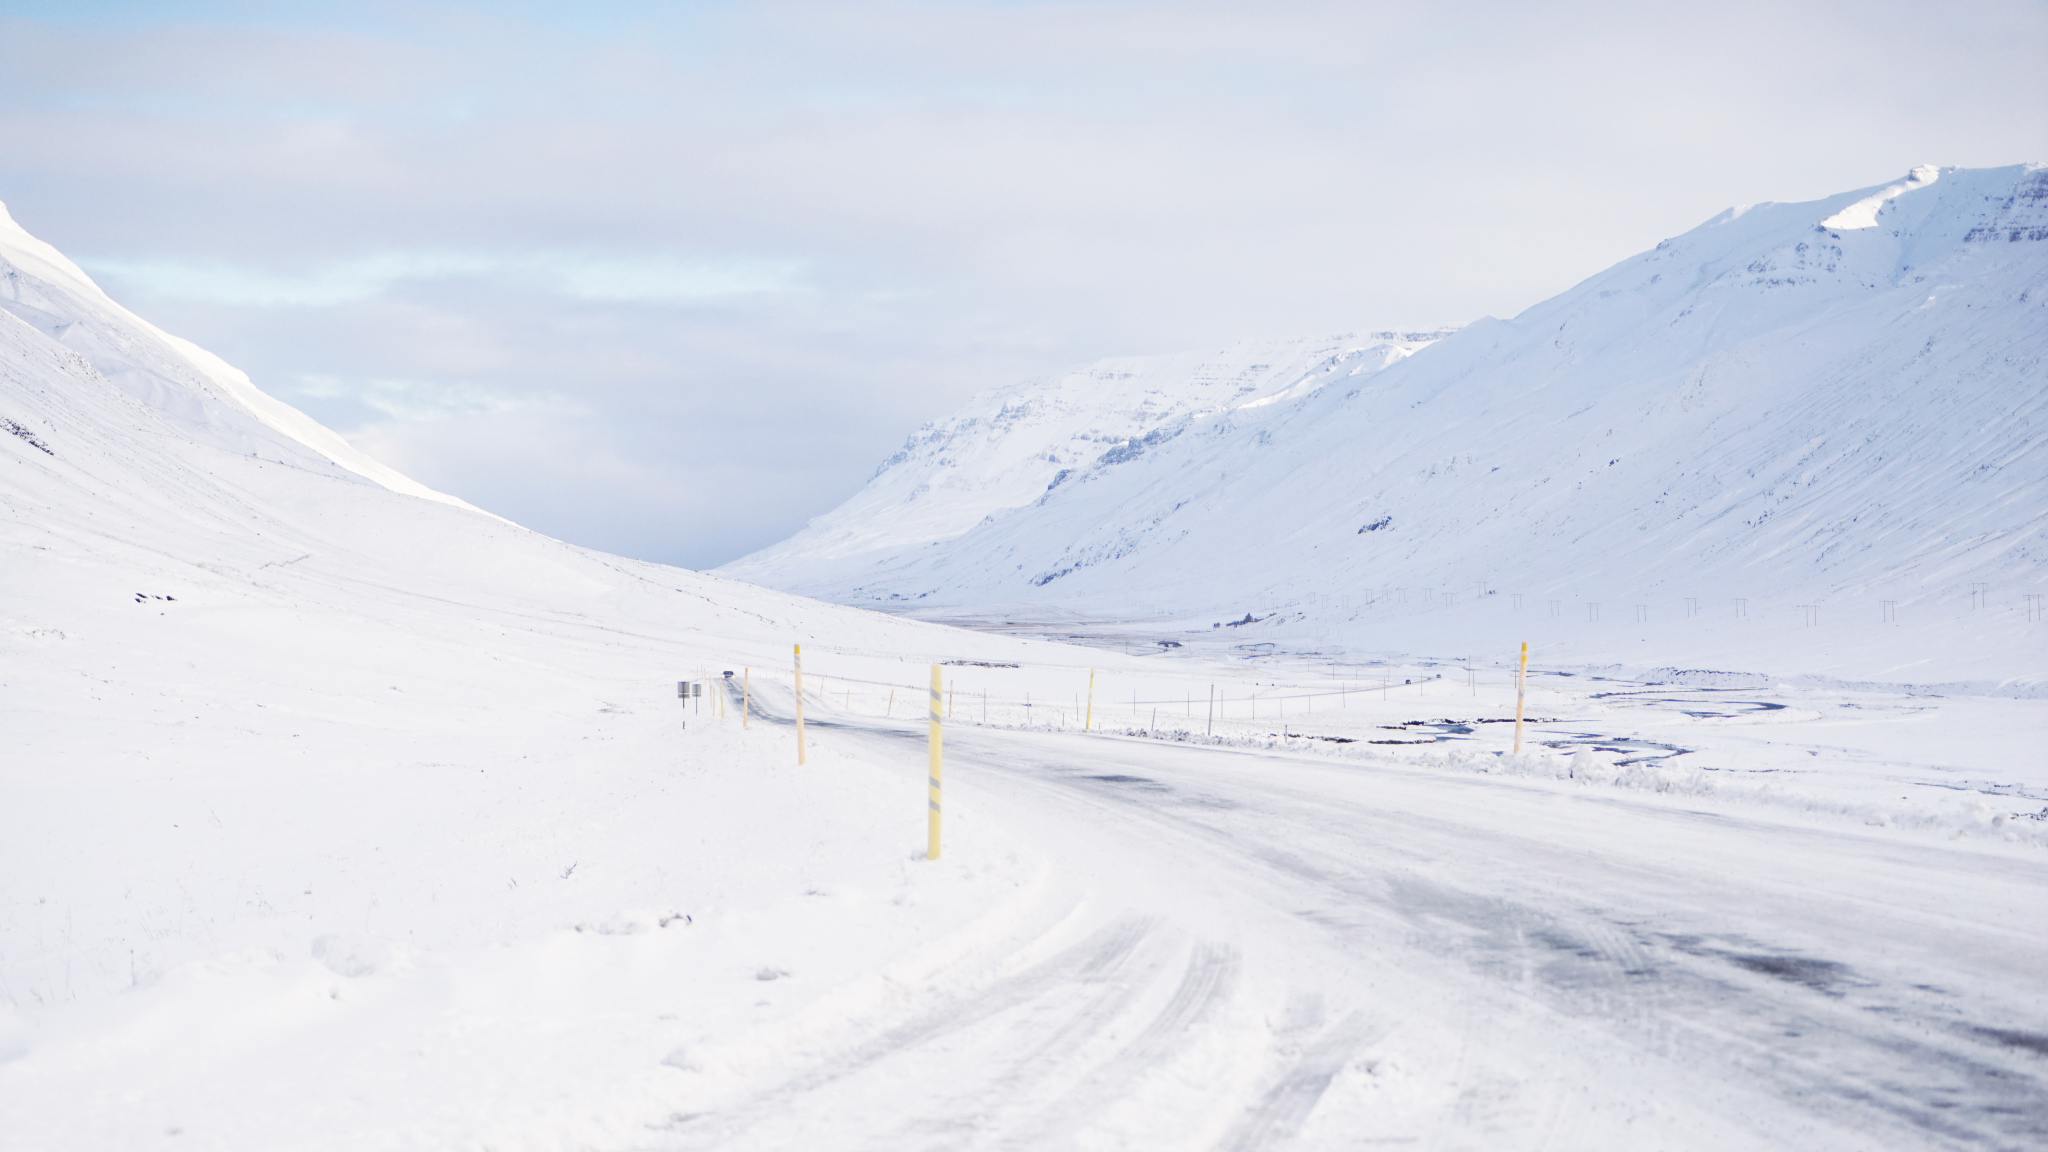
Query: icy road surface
<point>1252,950</point>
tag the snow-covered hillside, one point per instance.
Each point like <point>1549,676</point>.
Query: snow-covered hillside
<point>283,725</point>
<point>197,395</point>
<point>1808,436</point>
<point>1013,444</point>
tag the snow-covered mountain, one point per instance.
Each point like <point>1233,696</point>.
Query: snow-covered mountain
<point>1837,403</point>
<point>1011,445</point>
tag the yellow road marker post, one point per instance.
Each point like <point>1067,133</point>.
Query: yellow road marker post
<point>799,702</point>
<point>1090,721</point>
<point>931,851</point>
<point>1521,687</point>
<point>950,686</point>
<point>746,696</point>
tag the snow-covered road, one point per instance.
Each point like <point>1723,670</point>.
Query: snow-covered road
<point>1241,949</point>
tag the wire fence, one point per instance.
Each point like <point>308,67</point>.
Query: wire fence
<point>1116,702</point>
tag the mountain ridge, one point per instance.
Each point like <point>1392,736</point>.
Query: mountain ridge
<point>1790,403</point>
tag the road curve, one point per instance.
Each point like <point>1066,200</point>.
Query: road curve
<point>1261,950</point>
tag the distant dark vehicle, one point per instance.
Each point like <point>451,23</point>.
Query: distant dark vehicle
<point>728,674</point>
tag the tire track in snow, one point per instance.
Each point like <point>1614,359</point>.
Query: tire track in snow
<point>1089,964</point>
<point>1042,1051</point>
<point>1207,982</point>
<point>1279,1113</point>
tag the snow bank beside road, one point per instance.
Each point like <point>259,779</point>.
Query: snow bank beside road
<point>299,859</point>
<point>574,953</point>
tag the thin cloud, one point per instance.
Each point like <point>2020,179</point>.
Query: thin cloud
<point>417,401</point>
<point>656,279</point>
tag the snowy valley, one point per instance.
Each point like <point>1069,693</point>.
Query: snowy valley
<point>341,814</point>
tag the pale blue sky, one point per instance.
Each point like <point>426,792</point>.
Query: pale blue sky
<point>667,279</point>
